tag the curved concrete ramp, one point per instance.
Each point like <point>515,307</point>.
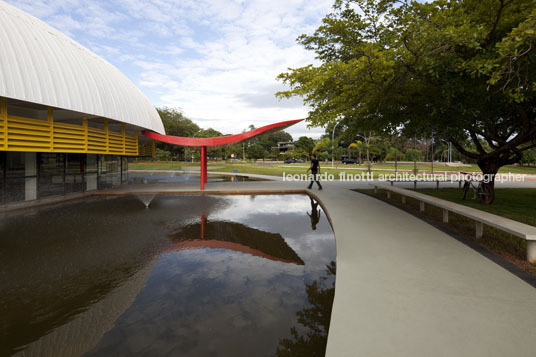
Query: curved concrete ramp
<point>404,288</point>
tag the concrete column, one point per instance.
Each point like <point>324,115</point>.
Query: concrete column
<point>531,251</point>
<point>479,229</point>
<point>445,216</point>
<point>421,206</point>
<point>30,169</point>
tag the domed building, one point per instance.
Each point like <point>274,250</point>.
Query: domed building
<point>68,119</point>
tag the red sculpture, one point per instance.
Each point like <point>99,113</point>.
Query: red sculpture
<point>217,141</point>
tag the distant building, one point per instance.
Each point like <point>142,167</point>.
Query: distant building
<point>68,118</point>
<point>284,146</point>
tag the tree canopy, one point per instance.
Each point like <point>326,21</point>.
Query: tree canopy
<point>176,123</point>
<point>305,143</point>
<point>461,69</point>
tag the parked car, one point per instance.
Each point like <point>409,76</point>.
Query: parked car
<point>293,161</point>
<point>349,161</point>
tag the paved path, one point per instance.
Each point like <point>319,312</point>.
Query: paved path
<point>403,287</point>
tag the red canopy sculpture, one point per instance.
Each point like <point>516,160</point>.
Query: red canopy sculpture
<point>217,141</point>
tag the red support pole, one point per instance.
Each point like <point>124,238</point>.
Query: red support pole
<point>206,166</point>
<point>203,166</point>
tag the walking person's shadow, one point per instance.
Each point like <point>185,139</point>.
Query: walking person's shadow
<point>315,213</point>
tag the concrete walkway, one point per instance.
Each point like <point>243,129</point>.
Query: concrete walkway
<point>403,287</point>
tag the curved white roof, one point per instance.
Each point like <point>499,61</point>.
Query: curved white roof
<point>39,64</point>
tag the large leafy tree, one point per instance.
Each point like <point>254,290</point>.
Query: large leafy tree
<point>463,69</point>
<point>305,143</point>
<point>176,124</point>
<point>270,140</point>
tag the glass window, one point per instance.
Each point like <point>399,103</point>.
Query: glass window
<point>91,163</point>
<point>74,173</point>
<point>2,178</point>
<point>20,176</point>
<point>91,172</point>
<point>15,164</point>
<point>109,171</point>
<point>14,189</point>
<point>124,170</point>
<point>51,174</point>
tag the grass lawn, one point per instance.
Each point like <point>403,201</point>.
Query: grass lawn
<point>273,169</point>
<point>473,168</point>
<point>270,168</point>
<point>513,203</point>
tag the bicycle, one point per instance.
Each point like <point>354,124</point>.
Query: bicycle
<point>482,189</point>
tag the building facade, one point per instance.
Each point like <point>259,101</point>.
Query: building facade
<point>68,119</point>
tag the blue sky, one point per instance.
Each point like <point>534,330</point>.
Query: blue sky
<point>216,60</point>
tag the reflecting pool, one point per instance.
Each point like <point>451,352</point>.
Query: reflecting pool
<point>190,276</point>
<point>135,178</point>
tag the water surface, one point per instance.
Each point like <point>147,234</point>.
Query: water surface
<point>182,177</point>
<point>191,275</point>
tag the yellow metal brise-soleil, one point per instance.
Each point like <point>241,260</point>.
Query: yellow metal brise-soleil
<point>148,149</point>
<point>26,134</point>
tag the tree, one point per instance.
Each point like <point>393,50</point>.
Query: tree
<point>175,123</point>
<point>462,69</point>
<point>321,145</point>
<point>162,155</point>
<point>268,141</point>
<point>256,151</point>
<point>413,155</point>
<point>529,158</point>
<point>394,154</point>
<point>357,145</point>
<point>296,153</point>
<point>305,143</point>
<point>367,145</point>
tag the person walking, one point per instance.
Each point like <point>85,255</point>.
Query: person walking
<point>315,169</point>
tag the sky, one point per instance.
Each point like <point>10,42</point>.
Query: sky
<point>216,60</point>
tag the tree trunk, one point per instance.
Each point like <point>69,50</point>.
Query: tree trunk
<point>368,159</point>
<point>489,169</point>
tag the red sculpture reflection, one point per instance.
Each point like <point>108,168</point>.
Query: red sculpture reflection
<point>234,236</point>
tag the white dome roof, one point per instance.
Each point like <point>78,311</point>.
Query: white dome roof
<point>39,64</point>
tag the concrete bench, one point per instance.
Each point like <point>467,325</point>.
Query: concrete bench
<point>518,229</point>
<point>436,181</point>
